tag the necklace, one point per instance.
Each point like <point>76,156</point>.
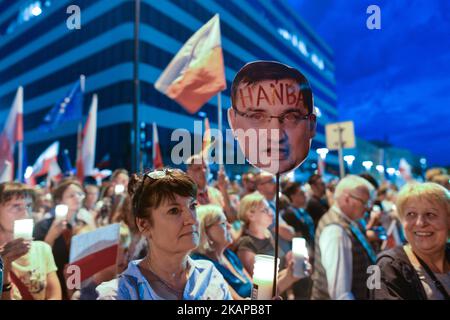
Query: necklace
<point>177,292</point>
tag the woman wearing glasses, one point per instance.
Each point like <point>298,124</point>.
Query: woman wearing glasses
<point>57,232</point>
<point>164,207</point>
<point>29,270</point>
<point>419,270</point>
<point>272,106</point>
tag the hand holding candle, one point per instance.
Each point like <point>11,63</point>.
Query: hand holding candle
<point>119,189</point>
<point>61,211</point>
<point>263,277</point>
<point>300,253</point>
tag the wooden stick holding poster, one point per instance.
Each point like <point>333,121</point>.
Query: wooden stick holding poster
<point>272,118</point>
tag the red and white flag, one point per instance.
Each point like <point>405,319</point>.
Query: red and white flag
<point>207,141</point>
<point>197,72</point>
<point>156,151</point>
<point>12,133</point>
<point>320,166</point>
<point>405,169</point>
<point>43,163</point>
<point>54,172</point>
<point>6,173</point>
<point>393,238</point>
<point>86,151</point>
<point>95,251</point>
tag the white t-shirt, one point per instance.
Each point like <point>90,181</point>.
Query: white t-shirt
<point>32,269</point>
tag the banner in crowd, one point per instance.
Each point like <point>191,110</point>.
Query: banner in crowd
<point>272,119</point>
<point>95,251</point>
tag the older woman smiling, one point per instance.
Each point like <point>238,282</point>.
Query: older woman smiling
<point>419,270</point>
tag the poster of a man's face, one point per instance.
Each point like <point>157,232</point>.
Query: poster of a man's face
<point>272,115</point>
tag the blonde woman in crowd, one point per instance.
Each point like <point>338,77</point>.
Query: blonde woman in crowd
<point>419,270</point>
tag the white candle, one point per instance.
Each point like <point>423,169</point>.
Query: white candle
<point>61,211</point>
<point>263,277</point>
<point>119,188</point>
<point>23,229</point>
<point>300,253</point>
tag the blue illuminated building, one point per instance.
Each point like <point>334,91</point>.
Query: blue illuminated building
<point>39,52</point>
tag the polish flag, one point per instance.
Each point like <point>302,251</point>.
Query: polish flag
<point>206,140</point>
<point>95,251</point>
<point>197,72</point>
<point>43,163</point>
<point>405,169</point>
<point>320,166</point>
<point>6,173</point>
<point>86,150</point>
<point>99,175</point>
<point>393,238</point>
<point>157,158</point>
<point>54,172</point>
<point>12,133</point>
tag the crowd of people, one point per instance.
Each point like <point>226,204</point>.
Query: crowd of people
<point>183,237</point>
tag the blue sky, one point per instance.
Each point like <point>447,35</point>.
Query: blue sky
<point>393,83</point>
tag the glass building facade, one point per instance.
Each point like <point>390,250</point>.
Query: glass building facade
<point>39,52</point>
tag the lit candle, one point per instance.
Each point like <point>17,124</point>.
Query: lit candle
<point>119,188</point>
<point>263,277</point>
<point>300,253</point>
<point>23,229</point>
<point>61,211</point>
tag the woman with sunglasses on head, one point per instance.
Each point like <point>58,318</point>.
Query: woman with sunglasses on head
<point>164,207</point>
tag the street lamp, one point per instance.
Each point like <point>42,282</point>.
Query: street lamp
<point>380,168</point>
<point>349,160</point>
<point>322,152</point>
<point>390,171</point>
<point>367,164</point>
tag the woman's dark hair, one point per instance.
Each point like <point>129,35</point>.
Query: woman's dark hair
<point>147,192</point>
<point>11,190</point>
<point>291,188</point>
<point>371,179</point>
<point>256,71</point>
<point>58,192</point>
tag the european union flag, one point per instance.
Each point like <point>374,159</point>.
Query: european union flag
<point>68,108</point>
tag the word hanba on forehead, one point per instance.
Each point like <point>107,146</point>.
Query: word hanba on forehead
<point>274,93</point>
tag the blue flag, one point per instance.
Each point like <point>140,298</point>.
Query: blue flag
<point>70,107</point>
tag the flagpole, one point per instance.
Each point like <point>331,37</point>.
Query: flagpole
<point>135,131</point>
<point>20,168</point>
<point>219,122</point>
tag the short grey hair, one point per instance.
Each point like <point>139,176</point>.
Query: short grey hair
<point>352,182</point>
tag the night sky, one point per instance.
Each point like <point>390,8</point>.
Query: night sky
<point>394,83</point>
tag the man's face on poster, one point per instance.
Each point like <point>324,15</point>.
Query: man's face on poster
<point>272,124</point>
